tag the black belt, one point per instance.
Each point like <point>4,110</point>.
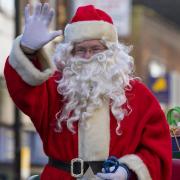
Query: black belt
<point>77,167</point>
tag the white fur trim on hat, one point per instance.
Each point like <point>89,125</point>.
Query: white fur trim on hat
<point>136,164</point>
<point>86,30</point>
<point>26,69</point>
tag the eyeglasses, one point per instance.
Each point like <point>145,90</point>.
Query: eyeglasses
<point>81,51</point>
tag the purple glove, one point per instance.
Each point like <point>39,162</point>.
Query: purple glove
<point>119,174</point>
<point>36,33</point>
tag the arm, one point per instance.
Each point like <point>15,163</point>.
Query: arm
<point>36,101</point>
<point>30,82</point>
<point>34,37</point>
<point>145,145</point>
<point>153,156</point>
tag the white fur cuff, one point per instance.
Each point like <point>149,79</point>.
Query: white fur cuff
<point>137,165</point>
<point>25,68</point>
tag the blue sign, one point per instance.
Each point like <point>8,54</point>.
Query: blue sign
<point>160,87</point>
<point>37,154</point>
<point>6,145</point>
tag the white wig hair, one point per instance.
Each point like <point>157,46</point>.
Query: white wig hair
<point>85,84</point>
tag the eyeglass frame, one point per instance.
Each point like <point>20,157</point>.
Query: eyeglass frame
<point>92,50</point>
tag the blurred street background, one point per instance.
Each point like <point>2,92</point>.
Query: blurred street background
<point>152,27</point>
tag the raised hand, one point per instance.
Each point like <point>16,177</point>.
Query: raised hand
<point>36,33</point>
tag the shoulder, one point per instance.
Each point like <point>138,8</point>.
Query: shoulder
<point>143,103</point>
<point>54,79</point>
<point>138,84</point>
<point>56,76</point>
<point>138,87</point>
<point>140,92</point>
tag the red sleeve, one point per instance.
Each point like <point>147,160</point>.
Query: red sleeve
<point>38,102</point>
<point>155,146</point>
<point>146,143</point>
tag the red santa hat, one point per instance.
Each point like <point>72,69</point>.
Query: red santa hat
<point>90,23</point>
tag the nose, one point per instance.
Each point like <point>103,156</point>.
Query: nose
<point>88,54</point>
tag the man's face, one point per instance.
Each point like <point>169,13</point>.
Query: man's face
<point>88,48</point>
<point>91,75</point>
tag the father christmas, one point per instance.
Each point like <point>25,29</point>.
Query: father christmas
<point>95,119</point>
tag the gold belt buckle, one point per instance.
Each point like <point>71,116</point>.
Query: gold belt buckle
<point>75,160</point>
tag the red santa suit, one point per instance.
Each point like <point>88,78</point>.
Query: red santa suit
<point>144,146</point>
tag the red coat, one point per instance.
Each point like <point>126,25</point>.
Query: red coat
<point>145,145</point>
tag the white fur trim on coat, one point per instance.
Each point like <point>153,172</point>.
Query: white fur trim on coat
<point>86,30</point>
<point>94,139</point>
<point>25,68</point>
<point>136,164</point>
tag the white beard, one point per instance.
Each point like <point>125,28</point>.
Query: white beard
<point>86,83</point>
